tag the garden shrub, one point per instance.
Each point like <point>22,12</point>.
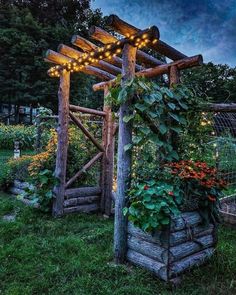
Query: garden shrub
<point>10,133</point>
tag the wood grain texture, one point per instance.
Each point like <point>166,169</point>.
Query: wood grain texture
<point>81,201</point>
<point>124,28</point>
<point>62,145</point>
<point>82,192</point>
<point>157,268</point>
<point>90,208</point>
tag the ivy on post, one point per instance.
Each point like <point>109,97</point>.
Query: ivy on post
<point>124,157</point>
<point>62,145</point>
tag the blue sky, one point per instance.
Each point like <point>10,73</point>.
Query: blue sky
<point>193,27</point>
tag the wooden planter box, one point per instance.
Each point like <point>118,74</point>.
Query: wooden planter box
<point>168,253</point>
<point>228,210</point>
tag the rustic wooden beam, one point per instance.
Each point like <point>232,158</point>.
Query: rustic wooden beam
<point>56,57</point>
<point>87,110</point>
<point>83,192</point>
<point>90,70</point>
<point>62,145</point>
<point>75,54</point>
<point>88,46</point>
<point>106,38</point>
<point>126,29</point>
<point>220,107</point>
<point>174,75</point>
<point>182,64</point>
<point>86,132</point>
<point>124,159</point>
<point>84,169</point>
<point>108,160</point>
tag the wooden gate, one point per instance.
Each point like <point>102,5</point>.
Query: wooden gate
<point>83,199</point>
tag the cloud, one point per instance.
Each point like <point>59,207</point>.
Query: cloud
<point>200,26</point>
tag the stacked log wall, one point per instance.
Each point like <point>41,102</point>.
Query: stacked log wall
<point>185,243</point>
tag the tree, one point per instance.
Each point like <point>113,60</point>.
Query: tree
<point>214,81</point>
<point>27,30</point>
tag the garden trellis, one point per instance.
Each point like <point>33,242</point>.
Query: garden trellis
<point>115,56</point>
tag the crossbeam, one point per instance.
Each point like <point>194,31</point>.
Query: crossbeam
<point>84,169</point>
<point>106,38</point>
<point>126,29</point>
<point>159,70</point>
<point>86,132</point>
<point>145,36</point>
<point>86,110</point>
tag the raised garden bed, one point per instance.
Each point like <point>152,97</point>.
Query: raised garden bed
<point>186,243</point>
<point>228,210</point>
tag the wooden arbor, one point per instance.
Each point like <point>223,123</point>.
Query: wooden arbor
<point>113,57</point>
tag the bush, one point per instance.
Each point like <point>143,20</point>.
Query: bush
<point>21,133</point>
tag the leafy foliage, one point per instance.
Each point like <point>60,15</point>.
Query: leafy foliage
<point>152,203</point>
<point>165,129</point>
<point>9,134</point>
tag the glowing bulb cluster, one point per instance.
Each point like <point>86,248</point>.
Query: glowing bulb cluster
<point>109,51</point>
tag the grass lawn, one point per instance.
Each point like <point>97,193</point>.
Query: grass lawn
<point>73,255</point>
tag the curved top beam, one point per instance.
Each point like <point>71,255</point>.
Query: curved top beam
<point>126,29</point>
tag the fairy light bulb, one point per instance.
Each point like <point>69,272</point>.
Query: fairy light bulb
<point>154,41</point>
<point>118,50</point>
<point>108,46</point>
<point>107,53</point>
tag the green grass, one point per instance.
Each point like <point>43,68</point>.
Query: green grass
<point>73,255</point>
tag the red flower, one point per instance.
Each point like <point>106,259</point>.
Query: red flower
<point>211,198</point>
<point>146,187</point>
<point>171,193</point>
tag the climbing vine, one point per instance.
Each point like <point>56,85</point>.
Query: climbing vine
<point>161,118</point>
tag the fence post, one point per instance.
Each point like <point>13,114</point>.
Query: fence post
<point>124,158</point>
<point>62,145</point>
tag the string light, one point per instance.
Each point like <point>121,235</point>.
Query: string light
<point>93,57</point>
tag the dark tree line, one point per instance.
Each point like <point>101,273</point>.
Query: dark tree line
<point>29,27</point>
<point>27,30</point>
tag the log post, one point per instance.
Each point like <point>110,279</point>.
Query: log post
<point>108,159</point>
<point>62,145</point>
<point>174,75</point>
<point>124,158</point>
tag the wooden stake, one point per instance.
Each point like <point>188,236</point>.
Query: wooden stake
<point>124,159</point>
<point>62,145</point>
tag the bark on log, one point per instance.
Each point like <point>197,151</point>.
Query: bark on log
<point>106,38</point>
<point>75,54</point>
<point>186,249</point>
<point>174,75</point>
<point>124,159</point>
<point>165,239</point>
<point>185,220</point>
<point>159,269</point>
<point>194,260</point>
<point>185,63</point>
<point>62,145</point>
<point>108,161</point>
<point>124,28</point>
<point>87,110</point>
<point>86,132</point>
<point>82,192</point>
<point>84,169</point>
<point>148,249</point>
<point>81,201</point>
<point>56,57</point>
<point>83,208</point>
